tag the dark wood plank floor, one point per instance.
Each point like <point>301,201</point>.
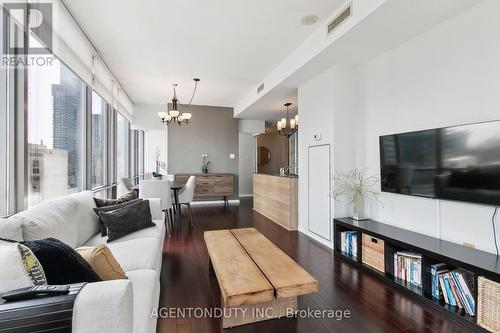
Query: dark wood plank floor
<point>374,306</point>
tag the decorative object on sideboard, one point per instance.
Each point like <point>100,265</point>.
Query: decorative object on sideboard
<point>355,185</point>
<point>205,163</point>
<point>160,165</point>
<point>287,126</point>
<point>174,115</point>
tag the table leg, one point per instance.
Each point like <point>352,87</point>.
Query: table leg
<point>178,208</point>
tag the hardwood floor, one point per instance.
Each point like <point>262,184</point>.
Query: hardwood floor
<point>373,305</point>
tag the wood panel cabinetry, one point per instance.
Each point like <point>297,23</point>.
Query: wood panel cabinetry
<point>211,184</point>
<point>276,198</point>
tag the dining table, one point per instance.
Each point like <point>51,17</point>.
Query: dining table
<point>175,187</point>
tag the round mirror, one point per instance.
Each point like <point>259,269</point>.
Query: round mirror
<point>264,156</point>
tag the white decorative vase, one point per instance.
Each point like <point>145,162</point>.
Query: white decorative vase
<point>358,209</point>
<point>158,178</point>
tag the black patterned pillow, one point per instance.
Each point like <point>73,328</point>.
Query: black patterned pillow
<point>61,263</point>
<point>104,230</point>
<point>126,220</point>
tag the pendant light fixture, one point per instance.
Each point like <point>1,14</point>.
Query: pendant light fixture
<point>287,126</point>
<point>174,115</point>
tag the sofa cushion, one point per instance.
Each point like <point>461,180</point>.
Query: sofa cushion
<point>61,263</point>
<point>24,270</point>
<point>101,259</point>
<point>126,220</point>
<point>143,253</point>
<point>146,290</point>
<point>158,233</point>
<point>11,229</point>
<point>86,221</point>
<point>56,218</point>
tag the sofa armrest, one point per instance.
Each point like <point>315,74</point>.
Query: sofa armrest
<point>104,307</point>
<point>155,206</point>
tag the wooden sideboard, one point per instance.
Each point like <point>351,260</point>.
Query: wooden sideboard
<point>276,198</point>
<point>210,184</point>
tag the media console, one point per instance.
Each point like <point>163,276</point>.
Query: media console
<point>433,251</point>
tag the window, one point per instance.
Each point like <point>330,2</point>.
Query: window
<point>140,152</point>
<point>122,146</point>
<point>99,132</point>
<point>133,154</point>
<point>4,133</point>
<point>55,122</point>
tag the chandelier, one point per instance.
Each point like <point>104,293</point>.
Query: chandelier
<point>287,126</point>
<point>174,115</point>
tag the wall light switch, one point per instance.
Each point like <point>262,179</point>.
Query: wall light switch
<point>231,156</point>
<point>317,136</point>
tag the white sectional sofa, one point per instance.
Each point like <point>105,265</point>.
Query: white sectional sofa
<point>110,306</point>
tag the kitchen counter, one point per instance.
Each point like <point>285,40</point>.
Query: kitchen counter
<point>276,197</point>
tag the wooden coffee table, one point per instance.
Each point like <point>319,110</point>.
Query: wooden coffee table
<point>257,280</point>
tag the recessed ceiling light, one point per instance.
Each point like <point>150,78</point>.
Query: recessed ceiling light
<point>309,19</point>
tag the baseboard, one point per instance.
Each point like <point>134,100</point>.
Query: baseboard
<point>317,238</point>
<point>246,195</point>
<point>214,202</point>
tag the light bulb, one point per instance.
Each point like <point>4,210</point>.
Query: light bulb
<point>174,113</point>
<point>187,115</point>
<point>162,115</point>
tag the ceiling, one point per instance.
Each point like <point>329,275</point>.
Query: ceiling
<point>231,45</point>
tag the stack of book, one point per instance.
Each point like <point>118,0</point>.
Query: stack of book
<point>454,287</point>
<point>349,243</point>
<point>408,267</point>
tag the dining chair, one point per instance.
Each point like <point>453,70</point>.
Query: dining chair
<point>124,185</point>
<point>159,189</point>
<point>186,195</point>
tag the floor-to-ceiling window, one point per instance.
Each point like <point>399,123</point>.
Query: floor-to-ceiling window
<point>122,146</point>
<point>4,132</point>
<point>99,138</point>
<point>140,154</point>
<point>55,132</point>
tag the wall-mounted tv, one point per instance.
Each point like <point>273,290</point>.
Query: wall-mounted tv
<point>455,163</point>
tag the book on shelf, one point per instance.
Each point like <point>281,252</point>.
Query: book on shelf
<point>454,287</point>
<point>408,267</point>
<point>349,243</point>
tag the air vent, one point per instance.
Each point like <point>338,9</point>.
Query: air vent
<point>260,88</point>
<point>346,13</point>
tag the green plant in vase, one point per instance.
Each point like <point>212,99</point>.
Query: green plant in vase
<point>205,163</point>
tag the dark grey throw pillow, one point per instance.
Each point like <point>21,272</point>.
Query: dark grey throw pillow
<point>104,230</point>
<point>109,202</point>
<point>126,220</point>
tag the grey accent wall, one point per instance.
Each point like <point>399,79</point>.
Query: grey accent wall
<point>212,131</point>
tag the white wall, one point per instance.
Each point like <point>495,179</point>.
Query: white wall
<point>446,76</point>
<point>247,156</point>
<point>449,75</point>
<point>155,133</point>
<point>320,102</point>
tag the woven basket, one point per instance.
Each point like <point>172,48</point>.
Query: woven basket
<point>488,304</point>
<point>373,252</point>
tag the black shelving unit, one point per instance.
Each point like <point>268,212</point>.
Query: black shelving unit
<point>433,251</point>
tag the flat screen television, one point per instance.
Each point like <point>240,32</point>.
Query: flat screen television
<point>455,163</point>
